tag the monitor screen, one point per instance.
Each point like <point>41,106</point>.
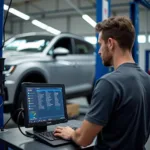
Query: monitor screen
<point>44,104</point>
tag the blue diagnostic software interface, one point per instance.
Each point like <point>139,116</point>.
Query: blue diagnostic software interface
<point>45,104</point>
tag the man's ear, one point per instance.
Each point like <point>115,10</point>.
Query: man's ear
<point>110,43</point>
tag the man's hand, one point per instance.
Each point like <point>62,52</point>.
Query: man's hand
<point>64,132</point>
<point>82,136</point>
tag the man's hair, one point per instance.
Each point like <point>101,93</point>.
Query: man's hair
<point>119,28</point>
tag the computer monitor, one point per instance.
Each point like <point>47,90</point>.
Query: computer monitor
<point>44,104</point>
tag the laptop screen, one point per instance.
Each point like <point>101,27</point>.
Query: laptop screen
<point>45,104</point>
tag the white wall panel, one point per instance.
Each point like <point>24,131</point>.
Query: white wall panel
<point>59,24</point>
<point>63,4</point>
<point>16,28</point>
<point>85,3</point>
<point>79,26</point>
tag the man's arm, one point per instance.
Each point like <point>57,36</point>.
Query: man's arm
<point>82,136</point>
<point>102,105</point>
<point>85,135</point>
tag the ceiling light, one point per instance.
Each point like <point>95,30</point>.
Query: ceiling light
<point>19,14</point>
<point>45,27</point>
<point>5,7</point>
<point>34,22</point>
<point>16,12</point>
<point>52,30</point>
<point>89,20</point>
<point>39,24</point>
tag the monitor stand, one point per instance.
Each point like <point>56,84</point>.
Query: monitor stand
<point>37,129</point>
<point>40,128</point>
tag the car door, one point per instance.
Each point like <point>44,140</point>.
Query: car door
<point>85,60</point>
<point>63,69</point>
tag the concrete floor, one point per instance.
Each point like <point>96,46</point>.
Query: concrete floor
<point>83,109</point>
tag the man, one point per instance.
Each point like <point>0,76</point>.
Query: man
<point>119,113</point>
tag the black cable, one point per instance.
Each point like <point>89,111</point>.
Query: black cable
<point>19,125</point>
<point>11,118</point>
<point>5,23</point>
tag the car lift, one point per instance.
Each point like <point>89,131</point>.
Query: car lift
<point>100,68</point>
<point>134,16</point>
<point>1,68</point>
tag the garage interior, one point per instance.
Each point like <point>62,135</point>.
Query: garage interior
<point>75,19</point>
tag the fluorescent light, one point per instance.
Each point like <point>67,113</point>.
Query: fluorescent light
<point>89,20</point>
<point>19,14</point>
<point>45,27</point>
<point>141,39</point>
<point>91,39</point>
<point>39,24</point>
<point>5,7</point>
<point>34,22</point>
<point>149,38</point>
<point>52,30</point>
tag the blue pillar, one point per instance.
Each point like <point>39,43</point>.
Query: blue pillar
<point>1,43</point>
<point>100,68</point>
<point>134,15</point>
<point>109,7</point>
<point>1,24</point>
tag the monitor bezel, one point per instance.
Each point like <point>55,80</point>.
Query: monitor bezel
<point>26,114</point>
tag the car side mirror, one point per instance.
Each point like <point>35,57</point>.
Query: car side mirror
<point>60,51</point>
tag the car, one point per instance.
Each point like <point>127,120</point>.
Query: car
<point>42,58</point>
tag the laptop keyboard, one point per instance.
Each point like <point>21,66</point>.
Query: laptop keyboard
<point>48,135</point>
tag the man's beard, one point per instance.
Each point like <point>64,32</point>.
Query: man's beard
<point>108,60</point>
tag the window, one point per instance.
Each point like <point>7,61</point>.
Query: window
<point>28,43</point>
<point>91,39</point>
<point>65,43</point>
<point>83,47</point>
<point>149,38</point>
<point>141,39</point>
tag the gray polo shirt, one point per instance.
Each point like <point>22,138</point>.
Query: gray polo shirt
<point>121,104</point>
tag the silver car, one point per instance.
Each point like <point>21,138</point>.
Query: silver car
<point>39,57</point>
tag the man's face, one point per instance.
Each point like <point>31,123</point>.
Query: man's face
<point>104,52</point>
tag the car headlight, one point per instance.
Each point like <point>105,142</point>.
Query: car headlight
<point>8,69</point>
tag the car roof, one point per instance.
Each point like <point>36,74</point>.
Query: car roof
<point>47,34</point>
<point>32,34</point>
<point>50,35</point>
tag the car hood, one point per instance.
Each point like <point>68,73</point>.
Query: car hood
<point>21,57</point>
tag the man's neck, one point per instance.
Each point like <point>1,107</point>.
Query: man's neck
<point>121,58</point>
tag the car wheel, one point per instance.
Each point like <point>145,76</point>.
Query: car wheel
<point>18,103</point>
<point>15,113</point>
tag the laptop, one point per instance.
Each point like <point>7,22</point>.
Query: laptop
<point>44,109</point>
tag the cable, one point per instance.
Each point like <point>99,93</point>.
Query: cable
<point>19,126</point>
<point>1,104</point>
<point>11,118</point>
<point>5,23</point>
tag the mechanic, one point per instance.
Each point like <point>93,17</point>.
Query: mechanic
<point>119,114</point>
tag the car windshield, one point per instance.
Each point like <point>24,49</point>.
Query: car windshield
<point>28,43</point>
